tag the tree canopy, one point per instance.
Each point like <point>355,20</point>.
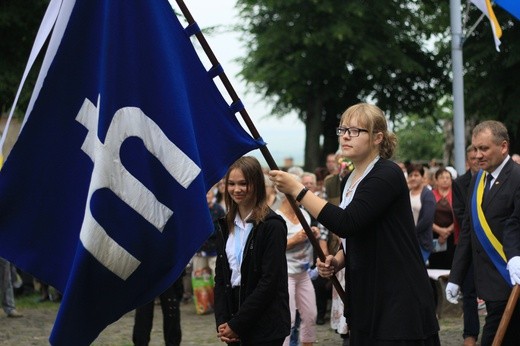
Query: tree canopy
<point>19,22</point>
<point>320,56</point>
<point>491,88</point>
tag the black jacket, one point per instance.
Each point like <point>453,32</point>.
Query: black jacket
<point>389,295</point>
<point>264,299</point>
<point>460,195</point>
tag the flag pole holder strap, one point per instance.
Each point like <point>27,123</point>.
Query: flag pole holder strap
<point>192,29</point>
<point>237,106</point>
<point>215,71</point>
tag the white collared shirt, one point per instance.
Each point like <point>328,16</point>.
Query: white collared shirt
<point>235,247</point>
<point>497,171</point>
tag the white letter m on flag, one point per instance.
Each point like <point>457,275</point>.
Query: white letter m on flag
<point>110,173</point>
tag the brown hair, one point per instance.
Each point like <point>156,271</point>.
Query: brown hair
<point>254,176</point>
<point>440,171</point>
<point>373,118</point>
<point>415,168</point>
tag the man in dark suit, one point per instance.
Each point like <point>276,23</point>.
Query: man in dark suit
<point>490,236</point>
<point>469,299</point>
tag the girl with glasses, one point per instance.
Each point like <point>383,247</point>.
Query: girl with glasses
<point>389,297</point>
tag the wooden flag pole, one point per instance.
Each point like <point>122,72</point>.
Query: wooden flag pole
<point>506,317</point>
<point>265,152</point>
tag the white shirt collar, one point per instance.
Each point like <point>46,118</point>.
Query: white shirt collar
<point>497,171</point>
<point>242,222</point>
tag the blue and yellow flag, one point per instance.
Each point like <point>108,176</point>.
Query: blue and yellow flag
<point>104,194</point>
<point>487,9</point>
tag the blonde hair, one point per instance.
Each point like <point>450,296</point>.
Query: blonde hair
<point>373,119</point>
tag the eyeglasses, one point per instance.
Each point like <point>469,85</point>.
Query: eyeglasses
<point>352,131</point>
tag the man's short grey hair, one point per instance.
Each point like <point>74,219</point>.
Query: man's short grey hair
<point>498,130</point>
<point>295,170</point>
<point>309,174</point>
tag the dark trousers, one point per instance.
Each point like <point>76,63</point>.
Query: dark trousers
<point>470,305</point>
<point>495,310</point>
<point>264,343</point>
<point>361,338</point>
<point>323,291</point>
<point>236,305</point>
<point>171,318</point>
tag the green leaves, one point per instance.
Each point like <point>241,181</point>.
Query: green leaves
<point>367,50</point>
<point>19,22</point>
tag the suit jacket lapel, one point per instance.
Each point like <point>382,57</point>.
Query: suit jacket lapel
<point>498,184</point>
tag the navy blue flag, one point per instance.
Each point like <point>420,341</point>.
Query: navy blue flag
<point>104,194</point>
<point>511,6</point>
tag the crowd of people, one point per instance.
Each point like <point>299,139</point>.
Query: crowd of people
<point>380,225</point>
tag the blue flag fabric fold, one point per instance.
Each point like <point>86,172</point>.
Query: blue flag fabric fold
<point>511,6</point>
<point>103,195</point>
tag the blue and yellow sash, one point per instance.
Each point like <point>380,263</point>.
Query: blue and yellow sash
<point>490,243</point>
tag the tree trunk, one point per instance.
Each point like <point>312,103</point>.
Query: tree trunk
<point>313,130</point>
<point>330,139</point>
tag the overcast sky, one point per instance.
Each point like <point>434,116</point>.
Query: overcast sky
<point>285,137</point>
